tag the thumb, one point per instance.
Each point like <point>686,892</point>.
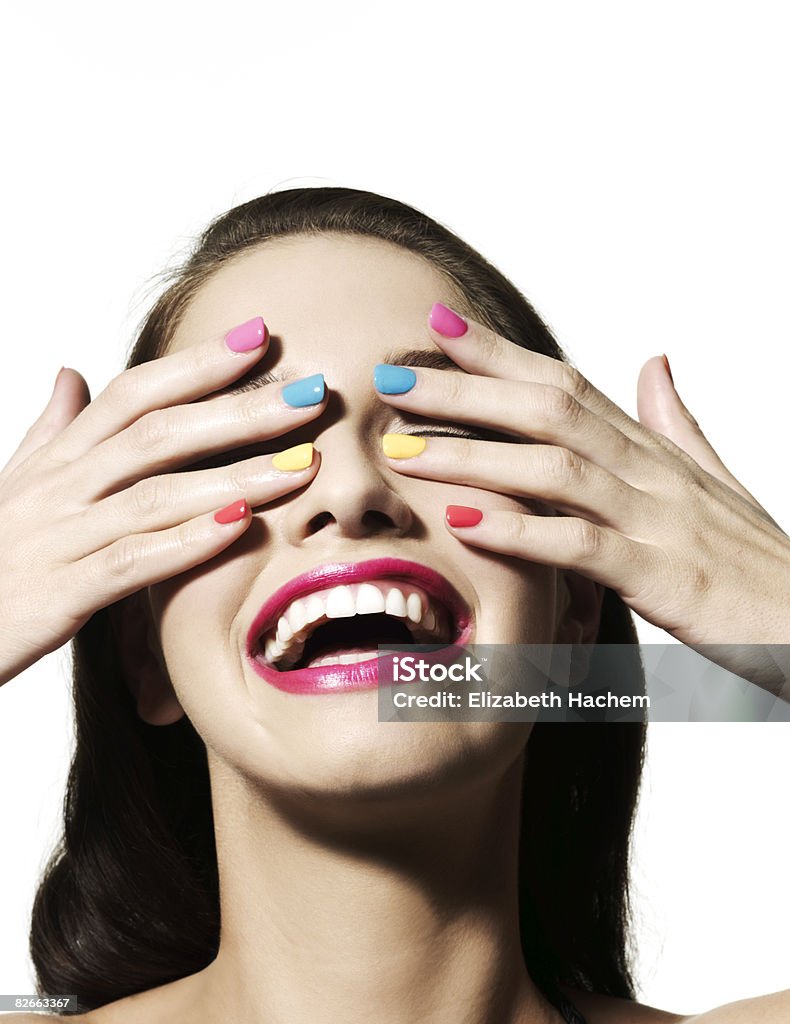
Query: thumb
<point>70,395</point>
<point>661,409</point>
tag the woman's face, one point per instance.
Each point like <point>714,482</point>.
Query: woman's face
<point>335,305</point>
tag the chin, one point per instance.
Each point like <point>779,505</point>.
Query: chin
<point>347,760</point>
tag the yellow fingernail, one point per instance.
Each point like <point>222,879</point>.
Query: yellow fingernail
<point>298,457</point>
<point>402,446</point>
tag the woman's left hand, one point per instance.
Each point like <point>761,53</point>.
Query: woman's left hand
<point>648,508</point>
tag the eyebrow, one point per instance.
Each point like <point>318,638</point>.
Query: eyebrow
<point>431,359</point>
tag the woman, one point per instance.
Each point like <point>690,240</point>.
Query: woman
<point>229,767</point>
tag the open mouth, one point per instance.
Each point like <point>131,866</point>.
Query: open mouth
<point>321,631</point>
<point>344,624</point>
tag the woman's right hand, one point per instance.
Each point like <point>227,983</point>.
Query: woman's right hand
<point>90,513</point>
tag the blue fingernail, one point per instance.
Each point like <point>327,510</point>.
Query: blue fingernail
<point>307,391</point>
<point>393,380</point>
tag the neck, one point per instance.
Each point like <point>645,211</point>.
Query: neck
<point>399,915</point>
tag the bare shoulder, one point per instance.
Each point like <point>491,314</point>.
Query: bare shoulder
<point>770,1009</point>
<point>37,1018</point>
<point>598,1009</point>
<point>25,1018</point>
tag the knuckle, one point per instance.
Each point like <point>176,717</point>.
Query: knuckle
<point>561,465</point>
<point>122,558</point>
<point>585,539</point>
<point>149,496</point>
<point>249,408</point>
<point>559,406</point>
<point>574,382</point>
<point>487,342</point>
<point>237,478</point>
<point>151,433</point>
<point>515,527</point>
<point>453,387</point>
<point>125,388</point>
<point>462,451</point>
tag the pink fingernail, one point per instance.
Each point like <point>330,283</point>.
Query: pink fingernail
<point>447,322</point>
<point>247,336</point>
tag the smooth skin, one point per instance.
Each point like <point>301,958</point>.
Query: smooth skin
<point>420,812</point>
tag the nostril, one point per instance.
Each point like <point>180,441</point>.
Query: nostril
<point>373,520</point>
<point>374,517</point>
<point>319,522</point>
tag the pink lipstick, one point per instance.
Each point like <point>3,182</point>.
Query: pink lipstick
<point>321,591</point>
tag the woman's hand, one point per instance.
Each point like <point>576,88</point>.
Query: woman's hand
<point>90,513</point>
<point>648,508</point>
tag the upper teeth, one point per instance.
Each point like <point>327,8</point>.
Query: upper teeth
<point>285,643</point>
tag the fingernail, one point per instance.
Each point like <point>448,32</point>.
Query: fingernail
<point>402,446</point>
<point>247,336</point>
<point>57,378</point>
<point>463,515</point>
<point>666,363</point>
<point>307,391</point>
<point>232,513</point>
<point>298,457</point>
<point>447,322</point>
<point>393,380</point>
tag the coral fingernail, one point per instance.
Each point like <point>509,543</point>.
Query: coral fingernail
<point>232,513</point>
<point>393,380</point>
<point>304,392</point>
<point>463,515</point>
<point>298,457</point>
<point>247,336</point>
<point>402,446</point>
<point>666,364</point>
<point>447,322</point>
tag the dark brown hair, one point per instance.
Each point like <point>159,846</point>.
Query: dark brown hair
<point>130,899</point>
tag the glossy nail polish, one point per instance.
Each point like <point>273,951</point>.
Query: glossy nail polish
<point>463,515</point>
<point>232,513</point>
<point>298,457</point>
<point>402,446</point>
<point>247,336</point>
<point>669,372</point>
<point>307,391</point>
<point>447,322</point>
<point>393,380</point>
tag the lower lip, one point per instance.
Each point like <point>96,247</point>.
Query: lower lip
<point>360,675</point>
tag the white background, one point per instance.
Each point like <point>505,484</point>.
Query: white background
<point>626,164</point>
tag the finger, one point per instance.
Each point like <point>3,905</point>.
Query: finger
<point>660,408</point>
<point>554,475</point>
<point>170,380</point>
<point>142,559</point>
<point>480,350</point>
<point>70,395</point>
<point>525,409</point>
<point>603,555</point>
<point>160,502</point>
<point>165,438</point>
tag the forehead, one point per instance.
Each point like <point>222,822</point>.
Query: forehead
<point>323,293</point>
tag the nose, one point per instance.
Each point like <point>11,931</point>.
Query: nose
<point>353,495</point>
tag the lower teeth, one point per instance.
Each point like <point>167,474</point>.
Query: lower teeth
<point>343,659</point>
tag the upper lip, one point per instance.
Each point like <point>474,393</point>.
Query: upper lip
<point>336,573</point>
